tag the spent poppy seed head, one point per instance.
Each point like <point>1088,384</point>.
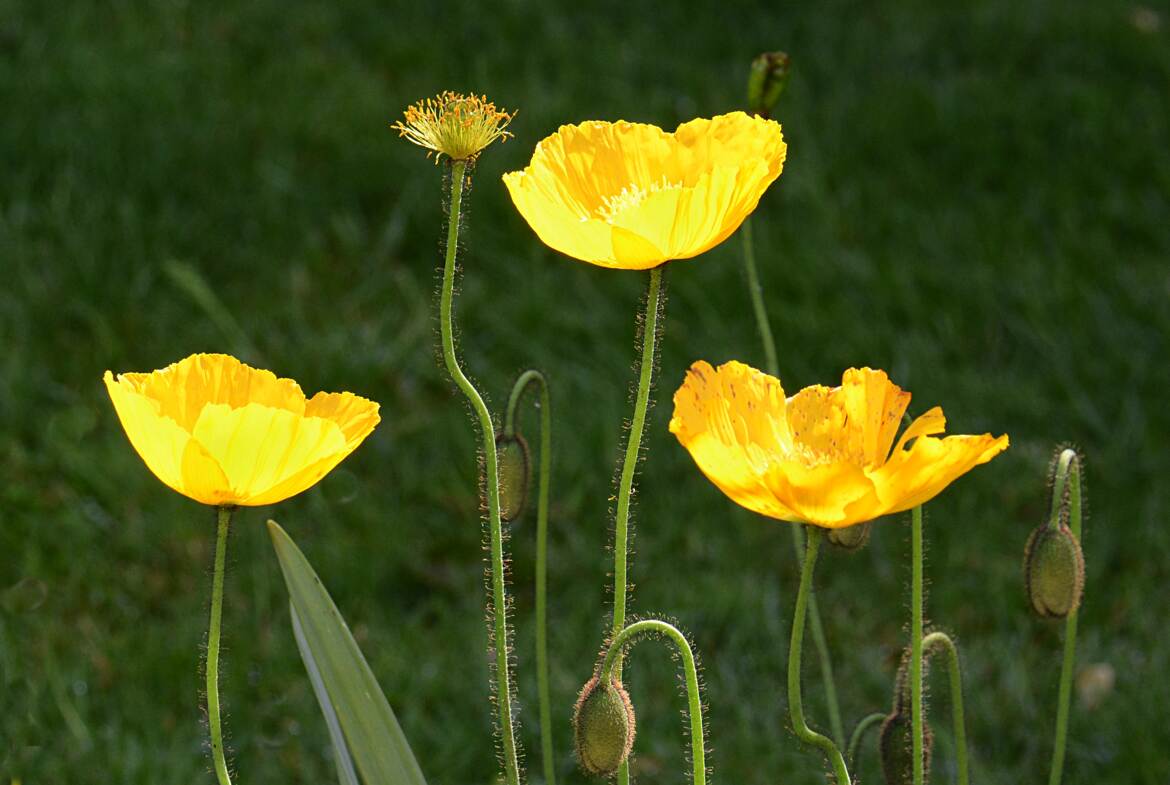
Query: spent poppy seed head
<point>455,125</point>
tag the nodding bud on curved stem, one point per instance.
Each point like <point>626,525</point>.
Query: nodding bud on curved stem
<point>514,474</point>
<point>603,726</point>
<point>1054,564</point>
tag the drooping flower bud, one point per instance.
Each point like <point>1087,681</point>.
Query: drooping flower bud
<point>603,727</point>
<point>766,82</point>
<point>1054,564</point>
<point>512,457</point>
<point>851,538</point>
<point>1054,571</point>
<point>896,748</point>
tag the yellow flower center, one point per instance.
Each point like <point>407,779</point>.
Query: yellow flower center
<point>630,197</point>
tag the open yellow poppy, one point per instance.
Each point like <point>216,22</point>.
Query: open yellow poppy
<point>632,196</point>
<point>222,433</point>
<point>822,456</point>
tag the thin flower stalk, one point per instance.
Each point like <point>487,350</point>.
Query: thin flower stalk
<point>1068,472</point>
<point>526,380</point>
<point>612,663</point>
<point>224,516</point>
<point>491,482</point>
<point>772,365</point>
<point>864,726</point>
<point>650,335</point>
<point>795,701</point>
<point>940,640</point>
<point>916,644</point>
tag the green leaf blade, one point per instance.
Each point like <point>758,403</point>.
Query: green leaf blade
<point>372,733</point>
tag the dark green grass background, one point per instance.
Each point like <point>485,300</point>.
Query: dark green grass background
<point>975,199</point>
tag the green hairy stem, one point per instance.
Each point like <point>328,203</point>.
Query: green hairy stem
<point>629,464</point>
<point>491,482</point>
<point>694,702</point>
<point>795,701</point>
<point>525,380</point>
<point>214,721</point>
<point>756,290</point>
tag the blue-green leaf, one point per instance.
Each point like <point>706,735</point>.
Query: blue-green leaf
<point>372,735</point>
<point>345,771</point>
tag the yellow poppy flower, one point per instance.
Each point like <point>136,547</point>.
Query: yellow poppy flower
<point>222,433</point>
<point>822,456</point>
<point>632,196</point>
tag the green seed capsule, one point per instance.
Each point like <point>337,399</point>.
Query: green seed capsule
<point>1054,571</point>
<point>512,455</point>
<point>851,538</point>
<point>603,727</point>
<point>896,748</point>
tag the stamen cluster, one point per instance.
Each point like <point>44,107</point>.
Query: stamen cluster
<point>456,125</point>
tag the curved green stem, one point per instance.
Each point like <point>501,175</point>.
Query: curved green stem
<point>522,383</point>
<point>491,482</point>
<point>756,290</point>
<point>937,640</point>
<point>1068,471</point>
<point>694,702</point>
<point>916,644</point>
<point>213,718</point>
<point>822,646</point>
<point>795,702</point>
<point>863,727</point>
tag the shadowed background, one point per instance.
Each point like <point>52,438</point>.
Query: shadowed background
<point>975,200</point>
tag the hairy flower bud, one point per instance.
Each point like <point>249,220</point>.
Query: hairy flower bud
<point>851,538</point>
<point>603,727</point>
<point>896,748</point>
<point>766,82</point>
<point>512,457</point>
<point>1054,571</point>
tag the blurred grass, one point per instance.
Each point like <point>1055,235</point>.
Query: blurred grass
<point>975,199</point>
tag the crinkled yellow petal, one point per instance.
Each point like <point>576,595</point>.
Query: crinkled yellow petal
<point>222,433</point>
<point>822,456</point>
<point>551,215</point>
<point>158,440</point>
<point>727,420</point>
<point>832,495</point>
<point>183,388</point>
<point>203,478</point>
<point>260,448</point>
<point>915,476</point>
<point>874,406</point>
<point>631,196</point>
<point>356,416</point>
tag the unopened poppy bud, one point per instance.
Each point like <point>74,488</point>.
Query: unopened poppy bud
<point>851,538</point>
<point>603,727</point>
<point>512,457</point>
<point>1054,571</point>
<point>896,748</point>
<point>766,82</point>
